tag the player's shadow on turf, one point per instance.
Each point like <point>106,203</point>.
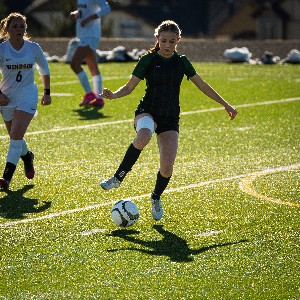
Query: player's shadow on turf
<point>14,204</point>
<point>89,113</point>
<point>173,246</point>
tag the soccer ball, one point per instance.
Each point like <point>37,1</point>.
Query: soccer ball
<point>124,213</point>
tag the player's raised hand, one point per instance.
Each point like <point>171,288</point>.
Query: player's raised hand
<point>73,15</point>
<point>108,94</point>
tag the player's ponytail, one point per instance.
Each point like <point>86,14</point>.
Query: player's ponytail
<point>155,48</point>
<point>2,29</point>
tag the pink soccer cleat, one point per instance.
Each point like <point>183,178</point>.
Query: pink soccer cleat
<point>87,99</point>
<point>28,166</point>
<point>99,102</point>
<point>4,184</point>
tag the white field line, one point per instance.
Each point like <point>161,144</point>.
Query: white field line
<point>75,127</point>
<point>242,105</point>
<point>210,233</point>
<point>76,81</point>
<point>59,94</point>
<point>89,126</point>
<point>93,231</point>
<point>171,190</point>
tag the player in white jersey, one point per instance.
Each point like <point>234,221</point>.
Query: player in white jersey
<point>18,91</point>
<point>88,31</point>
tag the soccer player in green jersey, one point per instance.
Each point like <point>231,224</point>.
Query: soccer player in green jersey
<point>158,111</point>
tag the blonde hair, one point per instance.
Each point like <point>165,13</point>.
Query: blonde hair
<point>167,25</point>
<point>4,24</point>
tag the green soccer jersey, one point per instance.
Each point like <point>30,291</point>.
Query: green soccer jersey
<point>163,79</point>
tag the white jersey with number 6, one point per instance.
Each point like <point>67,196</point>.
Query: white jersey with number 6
<point>17,68</point>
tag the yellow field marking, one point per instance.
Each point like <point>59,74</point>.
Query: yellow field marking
<point>246,185</point>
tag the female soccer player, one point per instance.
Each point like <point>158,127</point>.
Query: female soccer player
<point>88,31</point>
<point>18,91</point>
<point>163,68</point>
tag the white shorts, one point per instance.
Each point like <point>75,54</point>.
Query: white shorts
<point>8,112</point>
<point>92,42</point>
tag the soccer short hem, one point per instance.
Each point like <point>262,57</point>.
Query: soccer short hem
<point>8,112</point>
<point>92,42</point>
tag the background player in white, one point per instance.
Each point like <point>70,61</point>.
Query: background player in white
<point>88,31</point>
<point>18,91</point>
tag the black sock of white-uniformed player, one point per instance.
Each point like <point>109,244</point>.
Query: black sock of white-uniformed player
<point>13,156</point>
<point>9,171</point>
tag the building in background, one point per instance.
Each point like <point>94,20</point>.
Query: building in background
<point>278,19</point>
<point>226,19</point>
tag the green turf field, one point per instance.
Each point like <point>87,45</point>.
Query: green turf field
<point>231,223</point>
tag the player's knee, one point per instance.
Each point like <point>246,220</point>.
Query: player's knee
<point>144,129</point>
<point>143,138</point>
<point>145,122</point>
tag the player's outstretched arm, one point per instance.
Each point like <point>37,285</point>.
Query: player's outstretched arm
<point>123,90</point>
<point>211,93</point>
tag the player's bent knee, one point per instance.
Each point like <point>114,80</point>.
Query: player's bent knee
<point>145,123</point>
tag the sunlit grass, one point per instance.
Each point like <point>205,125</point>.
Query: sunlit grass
<point>214,242</point>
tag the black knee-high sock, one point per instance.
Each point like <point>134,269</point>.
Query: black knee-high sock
<point>27,158</point>
<point>9,171</point>
<point>131,156</point>
<point>160,186</point>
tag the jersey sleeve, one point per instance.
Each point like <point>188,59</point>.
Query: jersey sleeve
<point>189,69</point>
<point>104,8</point>
<point>40,59</point>
<point>141,67</point>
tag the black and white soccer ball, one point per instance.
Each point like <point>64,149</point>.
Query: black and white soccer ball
<point>124,213</point>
